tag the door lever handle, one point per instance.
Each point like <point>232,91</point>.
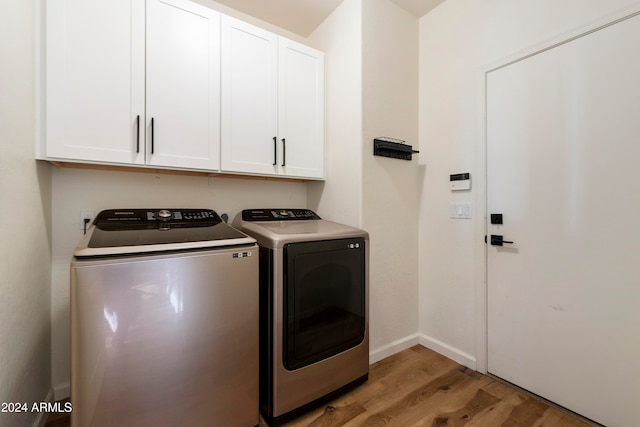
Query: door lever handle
<point>497,240</point>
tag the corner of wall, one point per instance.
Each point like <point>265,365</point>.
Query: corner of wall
<point>390,196</point>
<point>25,274</point>
<point>340,37</point>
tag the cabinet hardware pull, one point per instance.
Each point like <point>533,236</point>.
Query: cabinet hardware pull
<point>152,136</point>
<point>284,151</point>
<point>138,134</point>
<point>275,151</point>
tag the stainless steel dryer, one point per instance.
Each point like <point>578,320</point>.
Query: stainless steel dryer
<point>314,337</point>
<point>164,321</point>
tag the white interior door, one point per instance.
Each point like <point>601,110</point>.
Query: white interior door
<point>563,147</point>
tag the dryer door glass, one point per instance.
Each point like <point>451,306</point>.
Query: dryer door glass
<point>325,301</point>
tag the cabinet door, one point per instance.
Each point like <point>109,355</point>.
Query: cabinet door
<point>249,103</point>
<point>95,80</point>
<point>301,109</point>
<point>183,85</point>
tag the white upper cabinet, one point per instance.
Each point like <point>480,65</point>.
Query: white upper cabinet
<point>249,98</point>
<point>95,80</point>
<point>96,107</point>
<point>272,104</point>
<point>301,109</point>
<point>174,84</point>
<point>183,85</point>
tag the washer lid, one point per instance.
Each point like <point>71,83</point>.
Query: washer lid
<point>132,231</point>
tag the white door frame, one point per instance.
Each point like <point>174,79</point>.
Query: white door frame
<point>480,201</point>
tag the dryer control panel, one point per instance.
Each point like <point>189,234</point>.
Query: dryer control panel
<point>255,215</point>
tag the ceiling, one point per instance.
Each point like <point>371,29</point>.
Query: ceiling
<point>303,16</point>
<point>417,7</point>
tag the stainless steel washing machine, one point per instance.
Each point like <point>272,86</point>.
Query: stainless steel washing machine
<point>314,337</point>
<point>164,321</point>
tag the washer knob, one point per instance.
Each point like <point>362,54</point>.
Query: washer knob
<point>164,214</point>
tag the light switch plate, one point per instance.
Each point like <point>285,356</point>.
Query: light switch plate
<point>460,210</point>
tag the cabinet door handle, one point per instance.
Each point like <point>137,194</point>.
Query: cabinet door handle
<point>284,151</point>
<point>275,151</point>
<point>152,136</point>
<point>138,134</point>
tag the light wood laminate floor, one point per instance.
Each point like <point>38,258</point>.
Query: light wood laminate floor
<point>419,387</point>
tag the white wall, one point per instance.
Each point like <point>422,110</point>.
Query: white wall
<point>339,198</point>
<point>25,262</point>
<point>371,52</point>
<point>457,40</point>
<point>390,186</point>
<point>77,190</point>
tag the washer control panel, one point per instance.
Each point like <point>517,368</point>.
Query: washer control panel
<point>147,217</point>
<point>255,215</point>
<point>191,215</point>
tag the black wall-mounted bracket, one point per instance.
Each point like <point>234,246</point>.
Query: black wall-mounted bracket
<point>394,148</point>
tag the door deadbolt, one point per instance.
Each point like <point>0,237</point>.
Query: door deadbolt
<point>496,219</point>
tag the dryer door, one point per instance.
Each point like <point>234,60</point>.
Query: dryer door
<point>324,299</point>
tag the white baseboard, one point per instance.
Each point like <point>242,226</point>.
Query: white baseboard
<point>452,353</point>
<point>42,416</point>
<point>62,391</point>
<point>438,346</point>
<point>393,348</point>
